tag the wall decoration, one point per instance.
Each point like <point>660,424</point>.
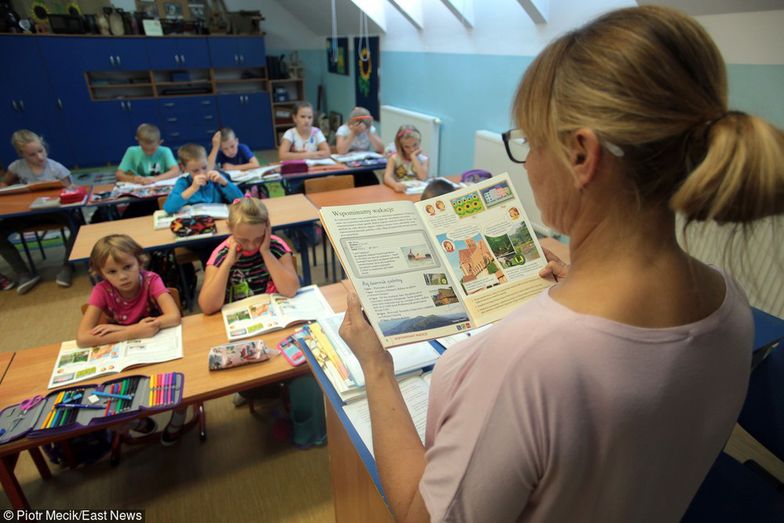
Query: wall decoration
<point>337,56</point>
<point>198,11</point>
<point>147,8</point>
<point>173,9</point>
<point>366,59</point>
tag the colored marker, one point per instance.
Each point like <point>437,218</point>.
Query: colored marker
<point>102,394</point>
<point>77,406</point>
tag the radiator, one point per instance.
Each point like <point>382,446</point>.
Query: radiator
<point>430,127</point>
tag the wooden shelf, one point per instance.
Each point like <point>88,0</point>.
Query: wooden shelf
<point>118,86</point>
<point>290,102</point>
<point>240,81</point>
<point>170,84</point>
<point>286,80</point>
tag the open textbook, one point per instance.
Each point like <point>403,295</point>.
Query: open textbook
<point>269,312</point>
<point>219,211</point>
<point>441,266</point>
<point>76,364</point>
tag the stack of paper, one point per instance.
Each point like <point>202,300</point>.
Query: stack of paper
<point>269,172</point>
<point>357,155</point>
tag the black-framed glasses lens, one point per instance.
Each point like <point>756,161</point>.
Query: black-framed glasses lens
<point>516,145</point>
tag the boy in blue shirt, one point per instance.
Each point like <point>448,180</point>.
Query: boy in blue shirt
<point>229,154</point>
<point>200,185</point>
<point>149,161</point>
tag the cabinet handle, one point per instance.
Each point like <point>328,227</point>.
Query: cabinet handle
<point>14,105</point>
<point>242,58</point>
<point>171,119</point>
<point>206,102</point>
<point>59,104</point>
<point>111,60</point>
<point>175,134</point>
<point>122,105</point>
<point>177,58</point>
<point>129,105</point>
<point>236,58</point>
<point>118,60</point>
<point>21,105</point>
<point>209,117</point>
<point>169,104</point>
<point>182,58</point>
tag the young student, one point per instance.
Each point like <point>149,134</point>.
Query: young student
<point>358,134</point>
<point>249,262</point>
<point>149,161</point>
<point>437,187</point>
<point>129,303</point>
<point>608,396</point>
<point>34,166</point>
<point>407,162</point>
<point>229,154</point>
<point>200,185</point>
<point>303,141</point>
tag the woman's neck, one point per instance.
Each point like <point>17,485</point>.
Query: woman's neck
<point>304,133</point>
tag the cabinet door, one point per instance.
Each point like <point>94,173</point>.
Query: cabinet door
<point>251,51</point>
<point>223,52</point>
<point>163,53</point>
<point>194,52</point>
<point>249,116</point>
<point>115,54</point>
<point>141,111</point>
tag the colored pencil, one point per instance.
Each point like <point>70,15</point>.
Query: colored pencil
<point>151,382</point>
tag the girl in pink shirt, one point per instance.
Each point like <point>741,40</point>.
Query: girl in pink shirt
<point>129,303</point>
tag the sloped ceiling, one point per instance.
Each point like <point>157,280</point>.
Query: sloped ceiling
<point>715,7</point>
<point>316,15</point>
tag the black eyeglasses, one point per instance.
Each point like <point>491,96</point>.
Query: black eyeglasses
<point>516,145</point>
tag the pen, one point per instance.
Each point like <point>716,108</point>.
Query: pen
<point>101,394</point>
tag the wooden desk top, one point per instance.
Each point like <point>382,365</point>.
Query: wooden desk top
<point>19,204</point>
<point>356,195</point>
<point>284,211</point>
<point>30,369</point>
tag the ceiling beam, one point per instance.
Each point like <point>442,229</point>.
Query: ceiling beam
<point>464,12</point>
<point>411,10</point>
<point>538,10</point>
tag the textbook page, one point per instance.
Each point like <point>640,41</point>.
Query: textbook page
<point>416,392</point>
<point>269,312</point>
<point>488,246</point>
<point>75,364</point>
<point>401,281</point>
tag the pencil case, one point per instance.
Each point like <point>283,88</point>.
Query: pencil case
<point>91,405</point>
<point>237,354</point>
<point>293,167</point>
<point>73,194</point>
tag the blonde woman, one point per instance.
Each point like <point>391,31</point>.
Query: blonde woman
<point>609,397</point>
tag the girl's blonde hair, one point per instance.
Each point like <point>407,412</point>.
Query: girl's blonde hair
<point>247,210</point>
<point>113,245</point>
<point>651,81</point>
<point>406,131</point>
<point>23,137</point>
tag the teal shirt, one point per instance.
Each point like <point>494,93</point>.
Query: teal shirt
<point>136,162</point>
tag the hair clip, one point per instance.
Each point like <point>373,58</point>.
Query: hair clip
<point>236,200</point>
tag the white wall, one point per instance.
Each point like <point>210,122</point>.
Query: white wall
<point>748,38</point>
<point>283,30</point>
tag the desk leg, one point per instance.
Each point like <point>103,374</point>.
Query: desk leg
<point>40,463</point>
<point>353,492</point>
<point>306,262</point>
<point>11,486</point>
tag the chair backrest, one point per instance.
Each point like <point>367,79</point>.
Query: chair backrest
<point>175,293</point>
<point>329,183</point>
<point>161,201</point>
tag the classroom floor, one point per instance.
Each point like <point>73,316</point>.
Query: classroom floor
<point>241,473</point>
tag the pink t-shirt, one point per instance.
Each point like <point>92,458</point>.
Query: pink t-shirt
<point>553,415</point>
<point>129,311</point>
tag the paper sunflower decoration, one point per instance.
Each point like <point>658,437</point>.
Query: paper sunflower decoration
<point>39,11</point>
<point>73,9</point>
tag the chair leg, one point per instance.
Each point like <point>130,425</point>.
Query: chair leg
<point>40,245</point>
<point>27,254</point>
<point>186,290</point>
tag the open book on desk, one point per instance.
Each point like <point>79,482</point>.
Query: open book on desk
<point>268,172</point>
<point>342,368</point>
<point>162,219</point>
<point>76,364</point>
<point>441,266</point>
<point>269,312</point>
<point>31,187</point>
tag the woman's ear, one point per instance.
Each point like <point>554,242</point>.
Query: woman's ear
<point>585,152</point>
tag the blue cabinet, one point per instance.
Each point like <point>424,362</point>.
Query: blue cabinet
<point>115,54</point>
<point>118,122</point>
<point>237,51</point>
<point>249,115</point>
<point>177,53</point>
<point>188,120</point>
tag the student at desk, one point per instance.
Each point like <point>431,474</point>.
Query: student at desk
<point>608,397</point>
<point>33,166</point>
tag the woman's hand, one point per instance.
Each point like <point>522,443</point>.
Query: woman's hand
<point>555,269</point>
<point>360,336</point>
<point>265,243</point>
<point>105,328</point>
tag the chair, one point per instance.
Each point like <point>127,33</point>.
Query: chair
<point>329,183</point>
<point>737,488</point>
<point>36,230</point>
<point>182,257</point>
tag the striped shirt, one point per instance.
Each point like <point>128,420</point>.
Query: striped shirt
<point>250,270</point>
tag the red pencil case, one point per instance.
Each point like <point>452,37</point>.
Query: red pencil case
<point>293,167</point>
<point>73,194</point>
<point>92,405</point>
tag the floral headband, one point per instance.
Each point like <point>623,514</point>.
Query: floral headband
<point>405,132</point>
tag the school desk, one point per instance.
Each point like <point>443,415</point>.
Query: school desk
<point>5,362</point>
<point>359,195</point>
<point>31,369</point>
<point>292,211</point>
<point>12,205</point>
